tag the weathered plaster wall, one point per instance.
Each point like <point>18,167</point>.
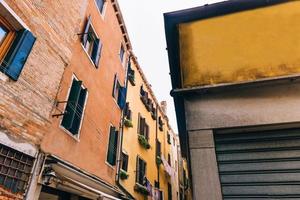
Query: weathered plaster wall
<point>243,46</point>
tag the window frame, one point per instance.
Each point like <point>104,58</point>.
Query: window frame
<point>122,58</point>
<point>107,148</point>
<point>102,13</point>
<point>74,136</point>
<point>138,171</point>
<point>90,56</point>
<point>9,38</point>
<point>126,154</point>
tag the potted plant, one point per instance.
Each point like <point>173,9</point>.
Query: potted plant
<point>123,175</point>
<point>144,142</point>
<point>128,123</point>
<point>141,189</point>
<point>158,160</point>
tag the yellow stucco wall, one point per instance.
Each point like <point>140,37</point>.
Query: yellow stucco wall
<point>244,46</point>
<point>131,145</point>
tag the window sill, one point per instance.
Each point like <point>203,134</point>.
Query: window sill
<point>86,53</point>
<point>3,77</point>
<point>74,137</point>
<point>109,165</point>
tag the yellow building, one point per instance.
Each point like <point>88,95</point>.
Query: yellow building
<point>145,143</point>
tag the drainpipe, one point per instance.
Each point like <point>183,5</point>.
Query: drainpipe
<point>121,129</point>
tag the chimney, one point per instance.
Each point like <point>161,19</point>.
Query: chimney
<point>163,106</point>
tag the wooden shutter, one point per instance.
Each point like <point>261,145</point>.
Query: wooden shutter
<point>142,126</point>
<point>96,54</point>
<point>114,85</point>
<point>158,148</point>
<point>112,147</point>
<point>137,171</point>
<point>122,97</point>
<point>84,37</point>
<point>124,161</point>
<point>72,104</point>
<point>18,53</point>
<point>79,111</point>
<point>147,131</point>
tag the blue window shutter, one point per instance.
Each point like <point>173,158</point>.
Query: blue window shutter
<point>70,110</point>
<point>97,52</point>
<point>86,31</point>
<point>122,97</point>
<point>18,54</point>
<point>79,111</point>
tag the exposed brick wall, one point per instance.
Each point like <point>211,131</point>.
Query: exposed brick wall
<point>6,195</point>
<point>25,105</point>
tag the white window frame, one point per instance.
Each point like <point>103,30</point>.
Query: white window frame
<point>103,10</point>
<point>77,136</point>
<point>107,146</point>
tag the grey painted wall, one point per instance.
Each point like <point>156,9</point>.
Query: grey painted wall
<point>270,104</point>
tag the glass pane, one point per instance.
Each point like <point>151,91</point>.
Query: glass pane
<point>3,33</point>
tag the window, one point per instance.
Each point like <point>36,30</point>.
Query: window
<point>131,74</point>
<point>143,128</point>
<point>169,138</point>
<point>169,191</point>
<point>158,148</point>
<point>122,52</point>
<point>91,43</point>
<point>15,47</point>
<point>153,112</point>
<point>124,162</point>
<point>75,107</point>
<point>15,169</point>
<point>161,124</point>
<point>140,170</point>
<point>127,112</point>
<point>112,146</point>
<point>119,93</point>
<point>169,159</point>
<point>100,5</point>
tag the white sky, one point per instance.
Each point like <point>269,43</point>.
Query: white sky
<point>144,22</point>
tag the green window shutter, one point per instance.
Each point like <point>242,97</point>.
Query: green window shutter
<point>84,37</point>
<point>18,53</point>
<point>70,113</point>
<point>112,146</point>
<point>79,111</point>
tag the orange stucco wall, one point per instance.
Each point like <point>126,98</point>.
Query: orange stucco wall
<point>88,152</point>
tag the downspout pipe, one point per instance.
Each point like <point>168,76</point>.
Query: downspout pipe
<point>121,130</point>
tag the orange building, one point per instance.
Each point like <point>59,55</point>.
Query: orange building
<point>81,145</point>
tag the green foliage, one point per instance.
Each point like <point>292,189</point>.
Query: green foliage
<point>141,189</point>
<point>144,142</point>
<point>158,160</point>
<point>128,123</point>
<point>123,174</point>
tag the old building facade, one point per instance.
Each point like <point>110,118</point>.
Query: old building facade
<point>235,78</point>
<point>63,69</point>
<point>146,142</point>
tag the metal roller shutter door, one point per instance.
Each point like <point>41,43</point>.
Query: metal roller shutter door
<point>259,165</point>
